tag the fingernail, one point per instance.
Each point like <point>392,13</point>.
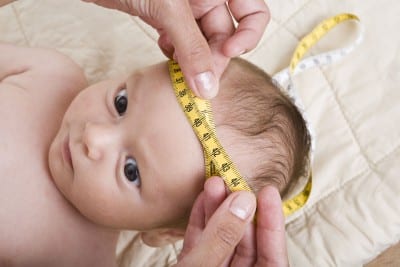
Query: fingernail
<point>243,205</point>
<point>237,51</point>
<point>206,84</point>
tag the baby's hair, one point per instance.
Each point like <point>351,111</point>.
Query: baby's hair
<point>265,121</point>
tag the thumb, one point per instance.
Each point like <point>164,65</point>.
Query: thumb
<point>223,231</point>
<point>190,46</point>
<point>175,19</point>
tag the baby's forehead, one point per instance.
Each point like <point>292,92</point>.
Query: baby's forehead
<point>151,71</point>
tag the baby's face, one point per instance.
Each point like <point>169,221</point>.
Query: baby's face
<point>125,155</point>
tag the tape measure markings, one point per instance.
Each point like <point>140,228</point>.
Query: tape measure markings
<point>298,65</point>
<point>199,113</point>
<point>315,35</point>
<point>200,121</point>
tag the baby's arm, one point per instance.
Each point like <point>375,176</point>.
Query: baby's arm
<point>12,61</point>
<point>44,68</point>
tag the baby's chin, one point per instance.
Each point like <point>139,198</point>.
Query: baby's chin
<point>52,153</point>
<point>55,163</point>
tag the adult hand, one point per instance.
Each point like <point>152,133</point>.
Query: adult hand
<point>200,34</point>
<point>221,231</point>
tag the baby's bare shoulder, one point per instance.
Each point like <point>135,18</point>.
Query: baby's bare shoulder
<point>39,69</point>
<point>36,86</point>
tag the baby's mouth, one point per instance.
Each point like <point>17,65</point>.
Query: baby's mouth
<point>66,152</point>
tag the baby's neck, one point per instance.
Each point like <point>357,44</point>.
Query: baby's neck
<point>106,242</point>
<point>103,239</point>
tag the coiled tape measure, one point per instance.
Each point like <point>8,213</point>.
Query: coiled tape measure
<point>199,113</point>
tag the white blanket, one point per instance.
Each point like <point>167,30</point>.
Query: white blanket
<point>353,211</point>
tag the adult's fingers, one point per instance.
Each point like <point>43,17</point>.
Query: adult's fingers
<point>246,250</point>
<point>204,207</point>
<point>113,4</point>
<point>195,226</point>
<point>176,19</point>
<point>214,194</point>
<point>190,46</point>
<point>253,17</point>
<point>217,26</point>
<point>223,231</point>
<point>271,238</point>
<point>165,44</point>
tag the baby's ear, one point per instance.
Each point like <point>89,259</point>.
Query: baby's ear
<point>162,237</point>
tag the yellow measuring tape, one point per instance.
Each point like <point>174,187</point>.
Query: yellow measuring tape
<point>315,35</point>
<point>199,113</point>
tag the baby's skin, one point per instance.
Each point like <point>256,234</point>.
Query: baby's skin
<point>38,226</point>
<point>80,163</point>
<point>118,154</point>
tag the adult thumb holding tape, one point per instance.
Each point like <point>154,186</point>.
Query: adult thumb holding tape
<point>200,34</point>
<point>213,243</point>
<point>222,231</point>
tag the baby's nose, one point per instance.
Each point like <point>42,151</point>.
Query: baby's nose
<point>98,138</point>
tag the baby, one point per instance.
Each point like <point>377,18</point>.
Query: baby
<point>122,154</point>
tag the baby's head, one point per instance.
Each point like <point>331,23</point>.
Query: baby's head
<point>126,157</point>
<point>260,127</point>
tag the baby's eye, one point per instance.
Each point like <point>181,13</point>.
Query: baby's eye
<point>121,102</point>
<point>131,171</point>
